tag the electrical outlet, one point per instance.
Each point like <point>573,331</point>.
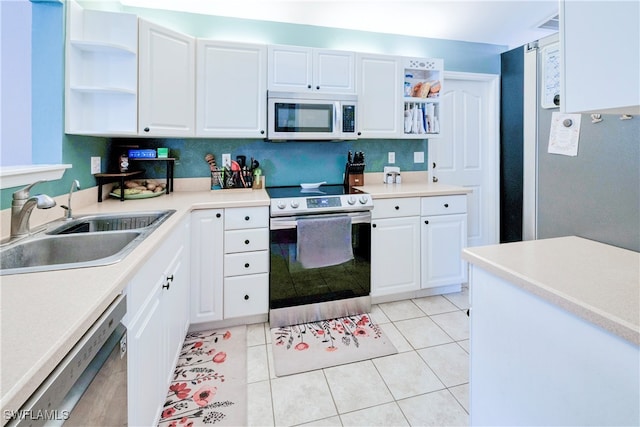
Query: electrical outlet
<point>418,157</point>
<point>95,165</point>
<point>226,160</point>
<point>392,157</point>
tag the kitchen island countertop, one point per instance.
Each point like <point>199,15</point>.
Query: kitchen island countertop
<point>594,281</point>
<point>44,314</point>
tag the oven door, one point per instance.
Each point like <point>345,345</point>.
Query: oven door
<point>298,295</point>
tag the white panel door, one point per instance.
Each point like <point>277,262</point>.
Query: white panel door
<point>395,255</point>
<point>166,82</point>
<point>231,90</point>
<point>290,68</point>
<point>379,100</point>
<point>467,152</point>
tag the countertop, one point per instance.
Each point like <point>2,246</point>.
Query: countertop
<point>414,184</point>
<point>44,314</point>
<point>597,282</point>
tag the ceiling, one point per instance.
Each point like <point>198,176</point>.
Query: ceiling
<point>510,23</point>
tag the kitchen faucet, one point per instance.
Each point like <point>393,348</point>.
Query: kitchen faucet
<point>21,208</point>
<point>75,184</point>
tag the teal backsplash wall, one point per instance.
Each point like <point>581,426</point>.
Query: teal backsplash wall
<point>283,163</point>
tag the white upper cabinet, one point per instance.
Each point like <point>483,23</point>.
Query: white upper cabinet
<point>600,45</point>
<point>380,111</point>
<point>303,69</point>
<point>231,95</point>
<point>101,72</point>
<point>166,82</point>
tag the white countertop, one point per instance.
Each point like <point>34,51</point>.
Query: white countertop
<point>597,282</point>
<point>44,314</point>
<point>414,184</point>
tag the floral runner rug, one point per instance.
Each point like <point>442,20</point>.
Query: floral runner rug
<point>209,385</point>
<point>317,345</point>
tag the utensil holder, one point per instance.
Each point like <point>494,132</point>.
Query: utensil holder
<point>226,179</point>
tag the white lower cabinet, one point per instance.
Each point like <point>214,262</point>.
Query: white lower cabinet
<point>443,236</point>
<point>246,295</point>
<point>207,247</point>
<point>246,262</point>
<point>229,263</point>
<point>157,320</point>
<point>395,246</point>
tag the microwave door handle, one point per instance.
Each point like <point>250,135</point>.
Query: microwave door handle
<point>336,118</point>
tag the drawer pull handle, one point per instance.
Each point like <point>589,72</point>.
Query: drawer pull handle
<point>246,218</point>
<point>446,205</point>
<point>246,265</point>
<point>374,225</point>
<point>246,242</point>
<point>166,285</point>
<point>246,297</point>
<point>397,208</point>
<point>426,222</point>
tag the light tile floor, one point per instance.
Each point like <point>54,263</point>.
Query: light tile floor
<point>425,384</point>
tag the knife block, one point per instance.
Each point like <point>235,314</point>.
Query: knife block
<point>356,179</point>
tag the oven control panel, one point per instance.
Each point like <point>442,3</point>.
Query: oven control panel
<point>321,204</point>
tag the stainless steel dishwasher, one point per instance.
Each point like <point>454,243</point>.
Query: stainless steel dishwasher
<point>89,386</point>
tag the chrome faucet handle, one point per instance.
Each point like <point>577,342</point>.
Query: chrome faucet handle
<point>74,184</point>
<point>23,193</point>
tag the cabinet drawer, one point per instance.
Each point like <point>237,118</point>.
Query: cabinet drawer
<point>246,295</point>
<point>389,208</point>
<point>443,205</point>
<point>238,218</point>
<point>246,263</point>
<point>251,239</point>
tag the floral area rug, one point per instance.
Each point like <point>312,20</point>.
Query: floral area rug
<point>317,345</point>
<point>209,385</point>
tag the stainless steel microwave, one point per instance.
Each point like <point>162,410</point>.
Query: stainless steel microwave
<point>311,116</point>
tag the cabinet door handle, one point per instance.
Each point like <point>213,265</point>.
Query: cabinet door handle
<point>146,129</point>
<point>446,205</point>
<point>247,218</point>
<point>317,87</point>
<point>246,265</point>
<point>246,297</point>
<point>374,225</point>
<point>426,222</point>
<point>246,242</point>
<point>308,86</point>
<point>218,215</point>
<point>262,132</point>
<point>167,282</point>
<point>397,208</point>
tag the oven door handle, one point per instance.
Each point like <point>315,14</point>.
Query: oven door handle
<point>289,222</point>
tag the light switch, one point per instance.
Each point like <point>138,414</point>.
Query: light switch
<point>418,157</point>
<point>392,157</point>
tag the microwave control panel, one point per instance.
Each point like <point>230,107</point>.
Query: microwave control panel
<point>349,118</point>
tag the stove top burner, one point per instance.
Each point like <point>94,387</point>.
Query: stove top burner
<point>297,191</point>
<point>325,199</point>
